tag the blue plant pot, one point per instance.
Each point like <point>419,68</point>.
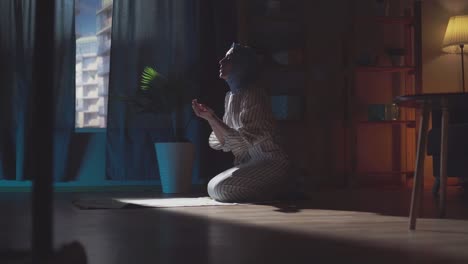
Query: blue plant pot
<point>175,160</point>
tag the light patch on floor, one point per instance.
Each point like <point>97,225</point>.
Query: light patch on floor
<point>173,202</point>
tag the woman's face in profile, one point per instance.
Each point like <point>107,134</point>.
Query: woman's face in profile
<point>225,65</point>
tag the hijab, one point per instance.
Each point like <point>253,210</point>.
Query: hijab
<point>245,67</point>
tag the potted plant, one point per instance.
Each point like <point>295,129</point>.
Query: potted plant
<point>168,96</point>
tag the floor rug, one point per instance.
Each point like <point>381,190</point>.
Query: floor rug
<point>128,203</point>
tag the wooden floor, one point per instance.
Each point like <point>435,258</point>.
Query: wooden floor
<point>360,226</point>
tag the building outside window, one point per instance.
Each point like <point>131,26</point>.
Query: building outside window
<point>93,42</point>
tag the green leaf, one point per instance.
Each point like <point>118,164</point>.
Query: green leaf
<point>147,77</point>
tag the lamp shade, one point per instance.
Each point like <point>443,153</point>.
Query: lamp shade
<point>456,34</point>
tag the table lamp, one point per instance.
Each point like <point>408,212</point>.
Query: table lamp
<point>456,36</point>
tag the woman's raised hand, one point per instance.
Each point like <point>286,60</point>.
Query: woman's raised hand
<point>202,110</point>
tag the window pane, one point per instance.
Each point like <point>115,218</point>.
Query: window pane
<point>93,42</point>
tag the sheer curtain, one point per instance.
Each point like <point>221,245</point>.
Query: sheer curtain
<point>16,50</point>
<point>160,33</point>
<point>171,35</point>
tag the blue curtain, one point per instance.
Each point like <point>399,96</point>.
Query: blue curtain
<point>16,51</point>
<point>163,34</point>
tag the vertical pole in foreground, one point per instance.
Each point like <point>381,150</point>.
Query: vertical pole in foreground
<point>42,132</point>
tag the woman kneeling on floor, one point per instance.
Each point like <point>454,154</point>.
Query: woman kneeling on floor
<point>248,131</point>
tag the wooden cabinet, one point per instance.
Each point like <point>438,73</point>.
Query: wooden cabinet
<point>385,62</point>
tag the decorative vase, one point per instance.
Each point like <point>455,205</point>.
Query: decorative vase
<point>175,160</point>
<point>376,112</point>
<point>397,60</point>
<point>382,112</point>
<point>392,112</point>
<point>397,56</point>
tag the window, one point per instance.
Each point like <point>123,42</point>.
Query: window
<point>93,41</point>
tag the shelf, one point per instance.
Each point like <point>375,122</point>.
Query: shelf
<point>408,173</point>
<point>402,20</point>
<point>384,69</point>
<point>409,123</point>
<point>368,70</point>
<point>277,18</point>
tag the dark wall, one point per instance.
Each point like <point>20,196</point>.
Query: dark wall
<point>218,31</point>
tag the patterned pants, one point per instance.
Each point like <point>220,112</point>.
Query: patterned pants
<point>250,182</point>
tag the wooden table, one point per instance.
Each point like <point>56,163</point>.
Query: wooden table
<point>427,103</point>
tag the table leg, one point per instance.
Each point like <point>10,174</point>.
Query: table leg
<point>419,167</point>
<point>443,158</point>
